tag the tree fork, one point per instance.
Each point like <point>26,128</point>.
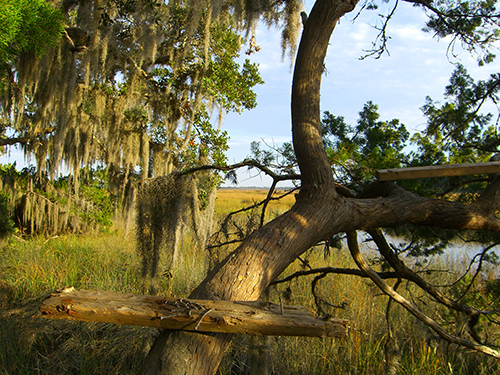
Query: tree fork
<point>247,272</point>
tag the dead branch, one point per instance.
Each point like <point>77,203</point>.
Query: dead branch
<point>404,272</point>
<point>250,317</point>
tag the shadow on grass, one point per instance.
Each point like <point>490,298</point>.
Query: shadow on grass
<point>30,344</point>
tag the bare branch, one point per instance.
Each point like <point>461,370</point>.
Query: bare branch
<point>406,273</point>
<point>228,217</point>
<point>478,269</point>
<point>244,163</point>
<point>333,270</point>
<point>352,241</point>
<point>382,37</point>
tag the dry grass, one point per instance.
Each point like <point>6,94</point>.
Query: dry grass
<point>31,270</point>
<point>229,200</point>
<point>29,344</point>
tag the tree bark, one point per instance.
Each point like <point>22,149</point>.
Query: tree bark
<point>246,273</point>
<point>318,213</point>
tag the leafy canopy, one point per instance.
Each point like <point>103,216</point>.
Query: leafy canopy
<point>28,26</point>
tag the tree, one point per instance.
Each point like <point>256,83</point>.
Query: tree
<point>130,87</point>
<point>159,67</point>
<point>25,27</point>
<point>322,210</point>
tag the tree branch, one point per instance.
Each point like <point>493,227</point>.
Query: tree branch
<point>334,270</point>
<point>245,163</point>
<point>352,241</point>
<point>406,273</point>
<point>24,139</point>
<point>391,205</point>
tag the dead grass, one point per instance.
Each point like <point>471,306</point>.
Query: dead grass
<point>29,344</point>
<point>229,200</point>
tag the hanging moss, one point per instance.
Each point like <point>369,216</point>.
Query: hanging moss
<point>159,212</point>
<point>120,57</point>
<point>125,88</point>
<point>50,208</point>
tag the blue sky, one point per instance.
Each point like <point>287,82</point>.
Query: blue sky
<point>418,65</point>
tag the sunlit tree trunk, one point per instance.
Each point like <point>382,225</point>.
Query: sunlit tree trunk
<point>319,212</point>
<point>247,272</point>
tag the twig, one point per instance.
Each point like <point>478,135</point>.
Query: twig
<point>404,272</point>
<point>204,315</point>
<point>478,269</point>
<point>51,238</point>
<point>334,270</point>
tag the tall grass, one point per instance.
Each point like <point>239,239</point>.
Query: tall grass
<point>31,269</point>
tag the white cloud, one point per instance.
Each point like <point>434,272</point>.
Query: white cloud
<point>410,33</point>
<point>360,32</point>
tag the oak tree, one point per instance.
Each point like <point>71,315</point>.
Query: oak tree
<point>126,86</point>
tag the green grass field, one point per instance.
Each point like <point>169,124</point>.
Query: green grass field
<point>31,269</point>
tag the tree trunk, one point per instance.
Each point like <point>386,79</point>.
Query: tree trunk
<point>317,214</point>
<point>247,272</point>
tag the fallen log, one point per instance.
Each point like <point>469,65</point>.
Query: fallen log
<point>248,317</point>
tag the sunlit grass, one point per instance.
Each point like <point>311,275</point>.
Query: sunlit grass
<point>32,269</point>
<point>229,200</point>
<point>38,266</point>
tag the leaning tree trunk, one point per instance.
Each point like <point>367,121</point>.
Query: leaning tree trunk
<point>317,214</point>
<point>247,272</point>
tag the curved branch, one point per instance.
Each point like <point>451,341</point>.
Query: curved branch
<point>313,162</point>
<point>245,163</point>
<point>408,274</point>
<point>334,270</point>
<point>352,241</point>
<point>478,269</point>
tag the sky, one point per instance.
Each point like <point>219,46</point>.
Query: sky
<point>417,66</point>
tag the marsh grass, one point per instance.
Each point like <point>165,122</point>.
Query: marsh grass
<point>229,200</point>
<point>31,269</point>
